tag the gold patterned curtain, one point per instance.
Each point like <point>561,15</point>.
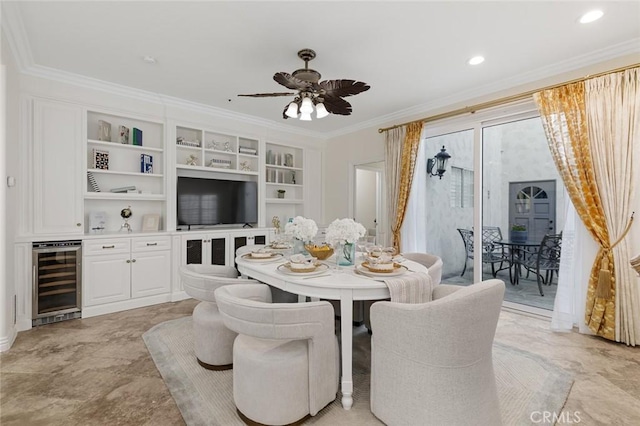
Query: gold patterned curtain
<point>400,165</point>
<point>564,120</point>
<point>571,126</point>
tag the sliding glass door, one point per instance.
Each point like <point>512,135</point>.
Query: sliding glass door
<point>500,184</point>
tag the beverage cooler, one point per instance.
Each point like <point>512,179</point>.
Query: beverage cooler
<point>57,275</point>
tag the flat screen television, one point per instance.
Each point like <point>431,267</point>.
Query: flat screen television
<point>216,202</point>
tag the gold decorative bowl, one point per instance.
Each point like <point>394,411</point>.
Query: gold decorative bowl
<point>322,252</point>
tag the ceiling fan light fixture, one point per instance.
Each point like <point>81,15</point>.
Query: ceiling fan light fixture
<point>321,110</point>
<point>307,106</point>
<point>292,111</point>
<point>305,116</point>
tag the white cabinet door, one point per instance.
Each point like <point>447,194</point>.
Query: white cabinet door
<point>106,278</point>
<point>150,273</point>
<point>57,168</point>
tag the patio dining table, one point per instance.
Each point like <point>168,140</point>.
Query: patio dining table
<point>517,252</point>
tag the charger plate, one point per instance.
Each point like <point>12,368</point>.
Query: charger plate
<point>273,258</point>
<point>286,270</point>
<point>398,270</point>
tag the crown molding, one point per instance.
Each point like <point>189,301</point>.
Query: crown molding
<point>165,100</point>
<point>16,35</point>
<point>625,48</point>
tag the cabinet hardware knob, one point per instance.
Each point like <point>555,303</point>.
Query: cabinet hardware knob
<point>78,224</point>
<point>151,244</point>
<point>133,260</point>
<point>128,261</point>
<point>108,247</point>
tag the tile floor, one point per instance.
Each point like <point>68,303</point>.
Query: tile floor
<point>97,371</point>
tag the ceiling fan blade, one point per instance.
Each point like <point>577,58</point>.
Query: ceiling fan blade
<point>266,95</point>
<point>291,82</point>
<point>337,105</point>
<point>343,88</point>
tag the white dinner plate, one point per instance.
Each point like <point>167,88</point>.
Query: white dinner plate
<point>274,257</point>
<point>381,275</point>
<point>279,247</point>
<point>320,269</point>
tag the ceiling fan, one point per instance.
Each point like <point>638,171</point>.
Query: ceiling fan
<point>326,97</point>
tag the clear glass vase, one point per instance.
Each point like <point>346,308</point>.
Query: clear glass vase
<point>346,254</point>
<point>298,247</point>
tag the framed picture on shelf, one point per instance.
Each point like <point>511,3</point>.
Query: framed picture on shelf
<point>124,135</point>
<point>150,222</point>
<point>104,131</point>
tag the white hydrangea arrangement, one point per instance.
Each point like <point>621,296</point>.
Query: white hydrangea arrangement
<point>301,228</point>
<point>344,231</point>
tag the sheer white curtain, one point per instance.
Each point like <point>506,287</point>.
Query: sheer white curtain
<point>578,248</point>
<point>414,228</point>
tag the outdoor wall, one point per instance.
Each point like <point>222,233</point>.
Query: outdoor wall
<point>443,219</point>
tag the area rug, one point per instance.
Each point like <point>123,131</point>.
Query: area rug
<point>526,382</point>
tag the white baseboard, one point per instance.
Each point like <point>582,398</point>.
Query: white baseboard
<point>179,295</point>
<point>109,308</point>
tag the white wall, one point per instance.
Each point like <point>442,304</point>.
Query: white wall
<point>8,196</point>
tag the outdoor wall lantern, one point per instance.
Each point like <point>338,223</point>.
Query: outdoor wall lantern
<point>440,163</point>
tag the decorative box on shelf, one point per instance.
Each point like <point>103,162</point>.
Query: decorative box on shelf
<point>247,150</point>
<point>193,144</point>
<point>219,162</point>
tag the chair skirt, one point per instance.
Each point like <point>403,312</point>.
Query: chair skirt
<point>271,379</point>
<point>212,340</point>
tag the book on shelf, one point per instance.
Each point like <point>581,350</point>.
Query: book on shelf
<point>146,163</point>
<point>124,135</point>
<point>100,159</point>
<point>137,136</point>
<point>123,189</point>
<point>93,184</point>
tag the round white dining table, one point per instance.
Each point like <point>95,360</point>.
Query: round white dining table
<point>343,284</point>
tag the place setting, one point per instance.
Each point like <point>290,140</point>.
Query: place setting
<point>303,266</point>
<point>262,255</point>
<point>381,263</point>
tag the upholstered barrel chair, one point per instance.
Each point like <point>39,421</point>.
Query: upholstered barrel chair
<point>431,363</point>
<point>213,341</point>
<point>285,358</point>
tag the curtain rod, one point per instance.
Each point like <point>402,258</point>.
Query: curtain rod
<point>496,102</point>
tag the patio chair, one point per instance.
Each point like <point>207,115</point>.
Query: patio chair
<point>546,260</point>
<point>491,253</point>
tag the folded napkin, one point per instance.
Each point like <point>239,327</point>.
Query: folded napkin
<point>410,288</point>
<point>635,263</point>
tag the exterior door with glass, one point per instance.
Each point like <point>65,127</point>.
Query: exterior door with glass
<point>533,204</point>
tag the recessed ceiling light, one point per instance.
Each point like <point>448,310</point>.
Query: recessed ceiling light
<point>149,59</point>
<point>594,15</point>
<point>476,60</point>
